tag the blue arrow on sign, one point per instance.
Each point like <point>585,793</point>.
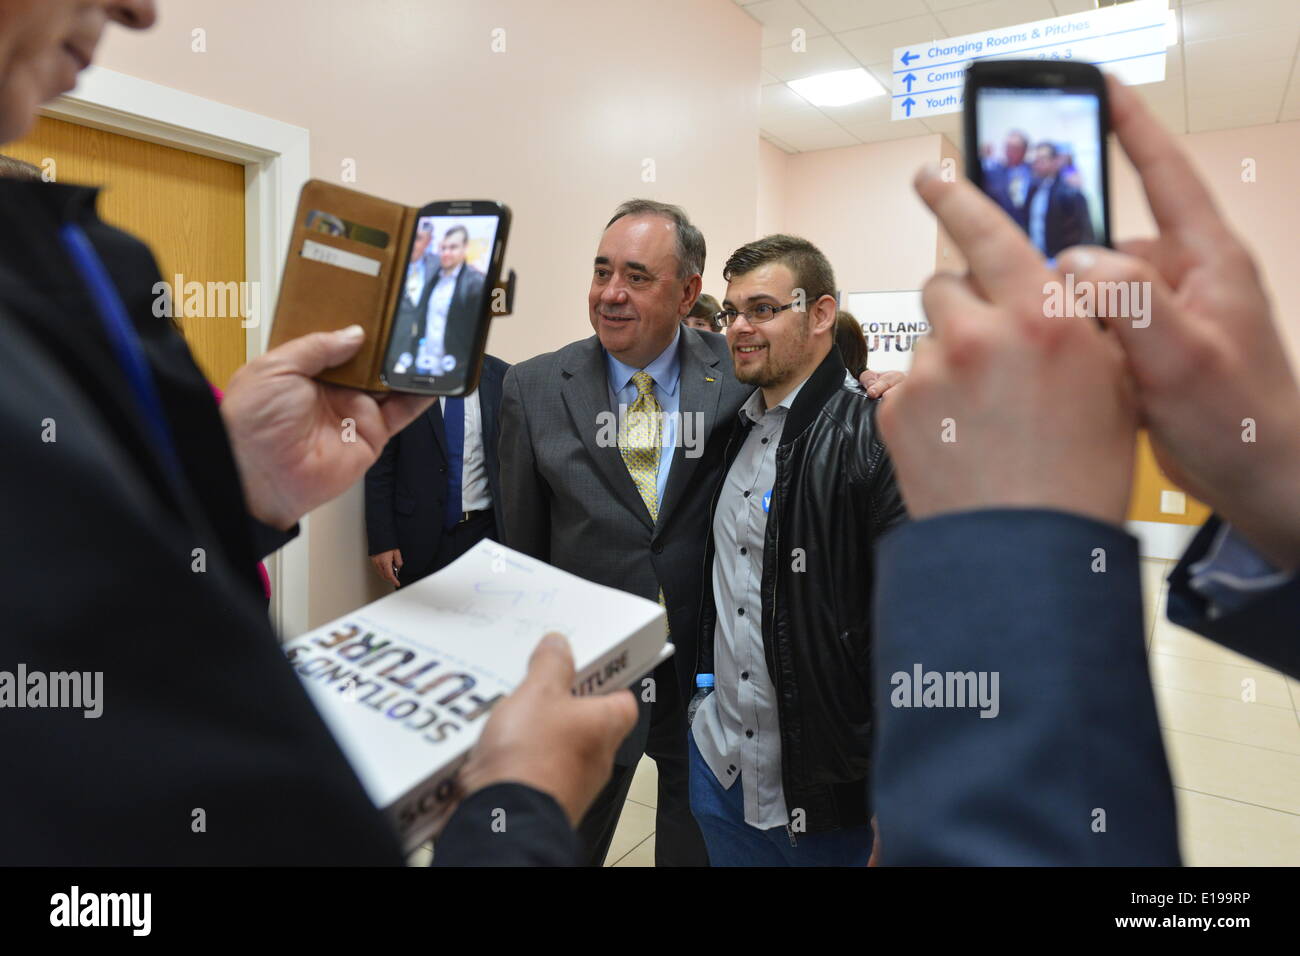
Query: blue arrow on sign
<point>908,104</point>
<point>908,56</point>
<point>909,80</point>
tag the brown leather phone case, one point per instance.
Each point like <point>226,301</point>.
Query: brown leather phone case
<point>323,296</point>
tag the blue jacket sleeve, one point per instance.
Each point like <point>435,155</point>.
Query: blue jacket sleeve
<point>1062,760</point>
<point>507,824</point>
<point>1266,628</point>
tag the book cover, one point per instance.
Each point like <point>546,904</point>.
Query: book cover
<point>406,684</point>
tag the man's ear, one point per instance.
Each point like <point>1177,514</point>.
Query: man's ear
<point>691,292</point>
<point>824,311</point>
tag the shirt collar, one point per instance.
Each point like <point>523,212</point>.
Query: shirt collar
<point>754,408</point>
<point>665,370</point>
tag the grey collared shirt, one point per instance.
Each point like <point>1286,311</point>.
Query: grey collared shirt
<point>737,728</point>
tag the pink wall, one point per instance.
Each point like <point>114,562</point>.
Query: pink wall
<point>773,168</point>
<point>558,126</point>
<point>1264,213</point>
<point>857,205</point>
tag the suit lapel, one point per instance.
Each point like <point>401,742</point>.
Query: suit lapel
<point>700,383</point>
<point>585,388</point>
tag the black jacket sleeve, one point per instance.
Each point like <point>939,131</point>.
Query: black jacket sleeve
<point>525,506</point>
<point>381,516</point>
<point>507,824</point>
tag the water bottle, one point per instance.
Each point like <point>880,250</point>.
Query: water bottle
<point>703,688</point>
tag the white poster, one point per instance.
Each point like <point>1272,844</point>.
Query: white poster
<point>891,323</point>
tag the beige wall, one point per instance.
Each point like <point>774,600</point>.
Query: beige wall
<point>1264,213</point>
<point>559,127</point>
<point>857,205</point>
<point>773,164</point>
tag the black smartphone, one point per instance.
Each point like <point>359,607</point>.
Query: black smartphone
<point>1036,144</point>
<point>447,297</point>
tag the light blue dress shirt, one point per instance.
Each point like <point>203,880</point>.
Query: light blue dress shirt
<point>666,370</point>
<point>1038,214</point>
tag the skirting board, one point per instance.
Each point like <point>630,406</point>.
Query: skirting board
<point>1159,540</point>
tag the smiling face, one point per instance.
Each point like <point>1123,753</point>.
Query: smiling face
<point>451,251</point>
<point>637,300</point>
<point>778,354</point>
<point>1015,149</point>
<point>44,44</point>
<point>1044,162</point>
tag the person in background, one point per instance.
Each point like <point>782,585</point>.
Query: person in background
<point>704,314</point>
<point>433,493</point>
<point>1009,179</point>
<point>851,343</point>
<point>1017,561</point>
<point>1057,213</point>
<point>781,749</point>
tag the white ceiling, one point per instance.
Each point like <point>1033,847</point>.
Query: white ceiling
<point>1235,63</point>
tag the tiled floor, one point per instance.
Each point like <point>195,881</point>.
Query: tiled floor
<point>1235,760</point>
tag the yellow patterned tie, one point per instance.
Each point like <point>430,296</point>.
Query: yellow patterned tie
<point>639,440</point>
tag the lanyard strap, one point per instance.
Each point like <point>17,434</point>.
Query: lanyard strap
<point>124,340</point>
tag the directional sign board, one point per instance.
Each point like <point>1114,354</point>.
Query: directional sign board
<point>1127,40</point>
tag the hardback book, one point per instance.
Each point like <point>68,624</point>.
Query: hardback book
<point>407,683</point>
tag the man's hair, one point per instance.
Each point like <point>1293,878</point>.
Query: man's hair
<point>1048,144</point>
<point>11,168</point>
<point>812,272</point>
<point>1020,135</point>
<point>457,228</point>
<point>690,241</point>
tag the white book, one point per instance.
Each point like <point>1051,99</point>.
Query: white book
<point>406,684</point>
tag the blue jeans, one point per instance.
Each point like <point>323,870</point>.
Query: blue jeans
<point>733,842</point>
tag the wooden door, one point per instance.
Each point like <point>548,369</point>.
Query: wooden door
<point>188,208</point>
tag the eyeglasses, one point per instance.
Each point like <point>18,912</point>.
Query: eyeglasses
<point>763,312</point>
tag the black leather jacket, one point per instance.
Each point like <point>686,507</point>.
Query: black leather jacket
<point>834,496</point>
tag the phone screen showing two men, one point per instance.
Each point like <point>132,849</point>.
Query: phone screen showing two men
<point>441,303</point>
<point>1040,153</point>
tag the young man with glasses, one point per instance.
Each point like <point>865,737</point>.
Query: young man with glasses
<point>780,751</point>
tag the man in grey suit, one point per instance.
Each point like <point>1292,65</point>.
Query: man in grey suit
<point>587,490</point>
<point>569,497</point>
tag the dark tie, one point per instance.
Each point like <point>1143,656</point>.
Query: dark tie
<point>453,420</point>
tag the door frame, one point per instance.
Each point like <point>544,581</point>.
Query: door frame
<point>276,157</point>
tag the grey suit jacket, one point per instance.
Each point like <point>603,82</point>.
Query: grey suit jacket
<point>571,502</point>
